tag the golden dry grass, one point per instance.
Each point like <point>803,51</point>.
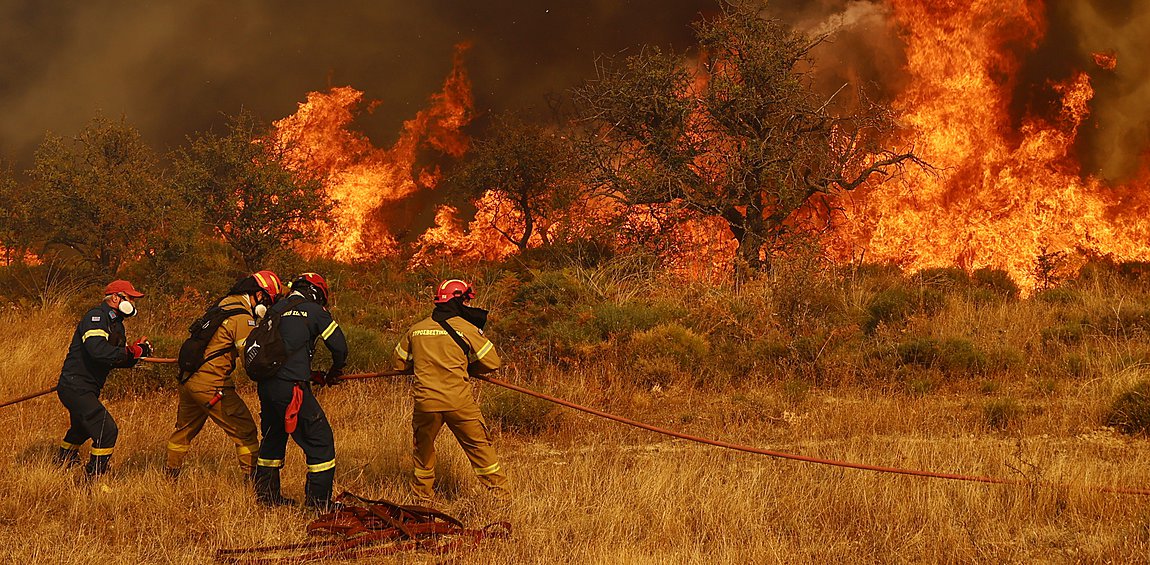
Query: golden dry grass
<point>597,492</point>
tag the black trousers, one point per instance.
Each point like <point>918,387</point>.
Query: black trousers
<point>313,434</point>
<point>89,419</point>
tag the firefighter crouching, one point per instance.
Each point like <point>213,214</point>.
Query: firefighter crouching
<point>98,345</point>
<point>287,406</point>
<point>442,350</point>
<point>210,391</point>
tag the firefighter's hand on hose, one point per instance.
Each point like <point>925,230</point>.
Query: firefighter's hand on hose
<point>332,377</point>
<point>318,378</point>
<point>142,348</point>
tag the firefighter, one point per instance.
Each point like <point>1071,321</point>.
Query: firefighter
<point>98,346</point>
<point>443,350</point>
<point>287,406</point>
<point>210,391</point>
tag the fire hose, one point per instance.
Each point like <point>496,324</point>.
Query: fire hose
<point>30,396</point>
<point>697,439</point>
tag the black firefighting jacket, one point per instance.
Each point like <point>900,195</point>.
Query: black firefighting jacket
<point>303,321</point>
<point>98,346</point>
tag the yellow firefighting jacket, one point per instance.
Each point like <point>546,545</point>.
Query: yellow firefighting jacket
<point>230,337</point>
<point>441,369</point>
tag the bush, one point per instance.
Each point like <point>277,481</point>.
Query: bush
<point>1070,333</point>
<point>943,278</point>
<point>898,303</point>
<point>665,350</point>
<point>997,281</point>
<point>629,317</point>
<point>1001,413</point>
<point>1130,412</point>
<point>952,355</point>
<point>368,349</point>
<point>520,413</point>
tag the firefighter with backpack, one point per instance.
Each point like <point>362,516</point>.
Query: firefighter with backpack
<point>278,355</point>
<point>207,360</point>
<point>443,350</point>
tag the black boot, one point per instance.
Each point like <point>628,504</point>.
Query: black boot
<point>97,466</point>
<point>66,457</point>
<point>267,486</point>
<point>317,492</point>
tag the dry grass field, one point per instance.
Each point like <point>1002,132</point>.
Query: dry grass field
<point>590,491</point>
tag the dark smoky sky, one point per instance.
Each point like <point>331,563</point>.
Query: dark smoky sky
<point>172,68</point>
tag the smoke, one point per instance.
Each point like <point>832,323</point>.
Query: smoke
<point>1119,143</point>
<point>174,68</point>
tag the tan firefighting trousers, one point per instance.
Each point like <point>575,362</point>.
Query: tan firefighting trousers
<point>230,413</point>
<point>470,431</point>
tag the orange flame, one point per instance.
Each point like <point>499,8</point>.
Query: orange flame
<point>363,179</point>
<point>1000,196</point>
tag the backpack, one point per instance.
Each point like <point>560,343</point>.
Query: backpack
<point>264,349</point>
<point>200,333</point>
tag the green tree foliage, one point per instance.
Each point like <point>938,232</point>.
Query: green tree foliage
<point>247,193</point>
<point>744,135</point>
<point>15,210</point>
<point>530,167</point>
<point>101,195</point>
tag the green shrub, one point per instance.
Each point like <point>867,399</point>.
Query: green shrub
<point>1070,333</point>
<point>549,288</point>
<point>1001,413</point>
<point>943,278</point>
<point>1130,412</point>
<point>520,413</point>
<point>629,317</point>
<point>663,351</point>
<point>997,281</point>
<point>951,355</point>
<point>921,351</point>
<point>896,304</point>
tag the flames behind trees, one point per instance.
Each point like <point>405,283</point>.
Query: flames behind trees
<point>1007,185</point>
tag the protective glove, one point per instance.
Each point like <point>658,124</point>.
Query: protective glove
<point>142,348</point>
<point>332,377</point>
<point>318,378</point>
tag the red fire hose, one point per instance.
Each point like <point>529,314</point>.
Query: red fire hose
<point>53,389</point>
<point>756,450</point>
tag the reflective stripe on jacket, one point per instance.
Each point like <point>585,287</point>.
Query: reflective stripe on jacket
<point>97,347</point>
<point>441,369</point>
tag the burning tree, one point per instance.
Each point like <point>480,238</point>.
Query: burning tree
<point>741,134</point>
<point>529,168</point>
<point>247,193</point>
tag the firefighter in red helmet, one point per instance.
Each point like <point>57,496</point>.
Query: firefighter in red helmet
<point>442,351</point>
<point>209,391</point>
<point>287,406</point>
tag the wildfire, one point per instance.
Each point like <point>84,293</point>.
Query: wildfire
<point>1000,195</point>
<point>1107,60</point>
<point>364,179</point>
<point>1002,192</point>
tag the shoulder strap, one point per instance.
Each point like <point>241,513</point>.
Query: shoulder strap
<point>455,336</point>
<point>228,313</point>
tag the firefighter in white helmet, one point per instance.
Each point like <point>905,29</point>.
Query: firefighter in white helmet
<point>443,350</point>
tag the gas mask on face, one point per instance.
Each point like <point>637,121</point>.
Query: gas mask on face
<point>126,308</point>
<point>260,310</point>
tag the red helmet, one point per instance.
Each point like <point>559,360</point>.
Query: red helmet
<point>313,280</point>
<point>270,283</point>
<point>451,288</point>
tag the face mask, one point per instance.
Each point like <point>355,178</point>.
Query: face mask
<point>261,310</point>
<point>126,308</point>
